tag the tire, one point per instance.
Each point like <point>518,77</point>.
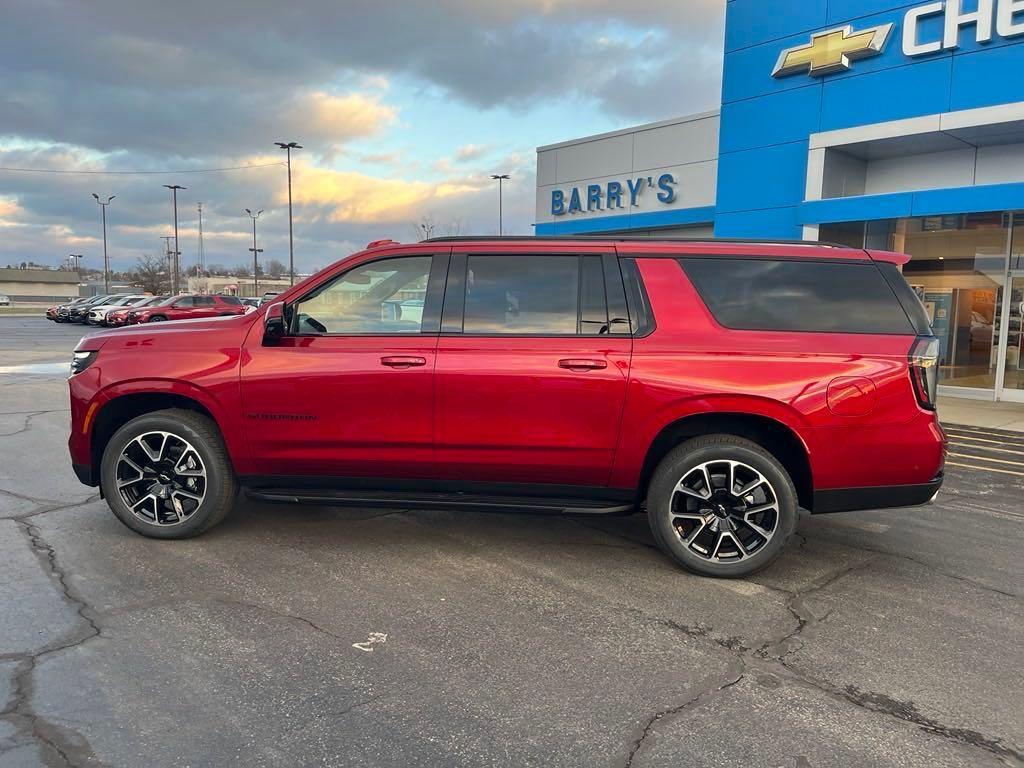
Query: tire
<point>177,515</point>
<point>725,535</point>
<point>157,319</point>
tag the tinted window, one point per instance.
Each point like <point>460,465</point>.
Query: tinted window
<point>382,297</point>
<point>765,294</point>
<point>522,295</point>
<point>229,300</point>
<point>204,301</point>
<point>911,301</point>
<point>186,301</point>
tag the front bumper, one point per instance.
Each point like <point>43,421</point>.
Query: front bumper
<point>877,497</point>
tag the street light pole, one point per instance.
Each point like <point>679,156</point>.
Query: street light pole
<point>500,177</point>
<point>177,252</point>
<point>106,261</point>
<point>75,259</point>
<point>288,147</point>
<point>255,251</point>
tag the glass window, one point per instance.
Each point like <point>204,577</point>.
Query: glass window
<point>593,303</point>
<point>229,300</point>
<point>957,266</point>
<point>185,301</point>
<point>798,295</point>
<point>523,295</point>
<point>382,297</point>
<point>204,301</point>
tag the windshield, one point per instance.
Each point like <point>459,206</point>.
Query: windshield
<point>167,302</point>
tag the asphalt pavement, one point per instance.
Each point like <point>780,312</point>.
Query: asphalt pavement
<point>301,636</point>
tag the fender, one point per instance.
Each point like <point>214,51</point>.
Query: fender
<point>634,443</point>
<point>227,421</point>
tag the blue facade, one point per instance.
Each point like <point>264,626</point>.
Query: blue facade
<point>766,121</point>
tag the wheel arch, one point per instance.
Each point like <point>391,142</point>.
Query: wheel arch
<point>776,437</point>
<point>122,407</point>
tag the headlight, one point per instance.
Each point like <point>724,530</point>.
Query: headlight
<point>82,360</point>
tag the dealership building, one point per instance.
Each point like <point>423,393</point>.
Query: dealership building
<point>871,123</point>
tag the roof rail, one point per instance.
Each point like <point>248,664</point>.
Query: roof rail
<point>636,239</point>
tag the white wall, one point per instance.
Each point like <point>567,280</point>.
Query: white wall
<point>686,147</point>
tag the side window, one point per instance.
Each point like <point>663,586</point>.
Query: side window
<point>382,297</point>
<point>523,295</point>
<point>204,301</point>
<point>184,301</point>
<point>798,295</point>
<point>229,300</point>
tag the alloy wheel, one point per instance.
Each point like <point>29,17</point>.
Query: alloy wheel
<point>161,478</point>
<point>724,511</point>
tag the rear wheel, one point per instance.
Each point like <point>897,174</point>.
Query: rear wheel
<point>722,506</point>
<point>157,319</point>
<point>167,475</point>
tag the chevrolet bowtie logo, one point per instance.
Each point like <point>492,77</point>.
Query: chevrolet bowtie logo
<point>832,51</point>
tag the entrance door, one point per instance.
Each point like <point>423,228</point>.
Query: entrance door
<point>1012,336</point>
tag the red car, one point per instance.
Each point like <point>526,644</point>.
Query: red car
<point>720,386</point>
<point>187,308</point>
<point>119,317</point>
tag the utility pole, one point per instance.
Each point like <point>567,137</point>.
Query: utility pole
<point>500,177</point>
<point>288,147</point>
<point>177,252</point>
<point>106,261</point>
<point>200,255</point>
<point>255,252</point>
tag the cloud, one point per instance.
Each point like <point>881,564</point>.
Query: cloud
<point>470,152</point>
<point>341,118</point>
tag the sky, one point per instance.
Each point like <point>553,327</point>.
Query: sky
<point>404,109</point>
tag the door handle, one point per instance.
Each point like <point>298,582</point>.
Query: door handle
<point>574,364</point>
<point>402,361</point>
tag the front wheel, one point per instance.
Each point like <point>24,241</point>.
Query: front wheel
<point>721,506</point>
<point>158,319</point>
<point>167,475</point>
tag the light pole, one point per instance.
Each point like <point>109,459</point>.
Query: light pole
<point>76,260</point>
<point>255,252</point>
<point>288,147</point>
<point>106,261</point>
<point>500,177</point>
<point>174,274</point>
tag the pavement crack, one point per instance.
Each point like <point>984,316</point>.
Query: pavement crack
<point>792,642</point>
<point>64,744</point>
<point>732,677</point>
<point>283,615</point>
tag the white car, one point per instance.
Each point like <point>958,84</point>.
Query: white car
<point>98,315</point>
<point>5,301</point>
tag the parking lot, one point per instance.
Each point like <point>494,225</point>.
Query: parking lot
<point>298,636</point>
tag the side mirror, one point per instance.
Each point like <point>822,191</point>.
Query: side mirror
<point>273,323</point>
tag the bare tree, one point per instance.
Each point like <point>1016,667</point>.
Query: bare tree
<point>275,268</point>
<point>424,228</point>
<point>151,274</point>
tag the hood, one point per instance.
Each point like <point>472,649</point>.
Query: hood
<point>167,330</point>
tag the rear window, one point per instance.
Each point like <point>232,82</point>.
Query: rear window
<point>804,295</point>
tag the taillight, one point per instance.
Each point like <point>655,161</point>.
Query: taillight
<point>924,370</point>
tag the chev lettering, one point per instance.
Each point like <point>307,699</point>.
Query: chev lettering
<point>835,50</point>
<point>613,195</point>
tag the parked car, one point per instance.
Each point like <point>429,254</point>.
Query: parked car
<point>98,313</point>
<point>79,313</point>
<point>59,312</point>
<point>250,301</point>
<point>5,300</point>
<point>187,307</point>
<point>119,316</point>
<point>718,386</point>
<point>268,295</point>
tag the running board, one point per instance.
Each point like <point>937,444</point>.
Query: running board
<point>482,503</point>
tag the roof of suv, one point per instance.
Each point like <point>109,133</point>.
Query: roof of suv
<point>679,246</point>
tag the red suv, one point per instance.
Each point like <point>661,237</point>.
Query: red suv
<point>720,386</point>
<point>187,308</point>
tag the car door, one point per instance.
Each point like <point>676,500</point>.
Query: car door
<point>348,391</point>
<point>181,309</point>
<point>204,306</point>
<point>532,367</point>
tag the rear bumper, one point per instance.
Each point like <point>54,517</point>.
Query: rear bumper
<point>878,497</point>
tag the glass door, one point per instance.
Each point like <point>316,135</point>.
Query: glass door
<point>1010,314</point>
